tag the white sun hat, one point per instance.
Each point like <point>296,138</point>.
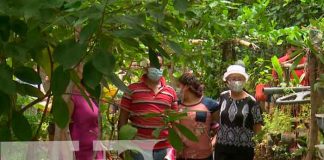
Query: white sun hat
<point>238,69</point>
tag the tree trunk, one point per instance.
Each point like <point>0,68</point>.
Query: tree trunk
<point>315,104</point>
<point>228,53</point>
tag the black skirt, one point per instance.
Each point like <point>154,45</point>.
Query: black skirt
<point>225,152</point>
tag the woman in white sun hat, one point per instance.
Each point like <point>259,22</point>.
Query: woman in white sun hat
<point>240,118</point>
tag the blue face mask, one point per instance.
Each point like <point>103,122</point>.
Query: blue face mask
<point>154,74</point>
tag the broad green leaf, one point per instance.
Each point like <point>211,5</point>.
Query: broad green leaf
<point>156,132</point>
<point>131,42</point>
<point>60,112</point>
<point>180,5</point>
<point>28,75</point>
<point>25,89</point>
<point>104,62</point>
<point>186,132</point>
<point>277,67</point>
<point>5,133</point>
<point>321,77</point>
<point>150,41</point>
<point>91,76</point>
<point>296,79</point>
<point>88,30</point>
<point>127,132</point>
<point>4,27</point>
<point>175,47</point>
<point>151,115</point>
<point>60,81</point>
<point>94,92</point>
<point>175,139</point>
<point>69,53</point>
<point>5,103</point>
<point>279,42</point>
<point>71,6</point>
<point>7,84</point>
<point>175,116</point>
<point>19,27</point>
<point>77,81</point>
<point>18,51</point>
<point>21,127</point>
<point>127,33</point>
<point>153,57</point>
<point>43,60</point>
<point>115,80</point>
<point>177,74</point>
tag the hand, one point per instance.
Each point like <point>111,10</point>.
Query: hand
<point>286,65</point>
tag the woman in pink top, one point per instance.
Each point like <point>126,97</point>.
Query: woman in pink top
<point>84,126</point>
<point>198,119</point>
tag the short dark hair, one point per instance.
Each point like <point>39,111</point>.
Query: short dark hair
<point>194,84</point>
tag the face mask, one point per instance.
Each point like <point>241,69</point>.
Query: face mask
<point>236,86</point>
<point>154,74</point>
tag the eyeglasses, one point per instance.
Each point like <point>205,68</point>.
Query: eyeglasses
<point>236,78</point>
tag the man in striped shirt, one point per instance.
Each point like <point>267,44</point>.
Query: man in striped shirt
<point>150,95</point>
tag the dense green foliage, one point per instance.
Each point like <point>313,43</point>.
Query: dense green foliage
<point>50,37</point>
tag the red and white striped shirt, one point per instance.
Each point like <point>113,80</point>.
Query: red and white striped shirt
<point>142,100</point>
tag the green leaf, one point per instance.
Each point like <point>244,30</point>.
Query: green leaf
<point>5,133</point>
<point>60,81</point>
<point>127,33</point>
<point>175,47</point>
<point>151,115</point>
<point>277,67</point>
<point>5,104</point>
<point>7,84</point>
<point>296,79</point>
<point>60,112</point>
<point>21,127</point>
<point>154,61</point>
<point>19,27</point>
<point>186,132</point>
<point>175,116</point>
<point>279,42</point>
<point>69,53</point>
<point>88,30</point>
<point>114,79</point>
<point>104,62</point>
<point>175,140</point>
<point>150,41</point>
<point>28,75</point>
<point>71,6</point>
<point>127,132</point>
<point>131,42</point>
<point>4,27</point>
<point>91,76</point>
<point>156,132</point>
<point>25,89</point>
<point>43,60</point>
<point>77,81</point>
<point>180,5</point>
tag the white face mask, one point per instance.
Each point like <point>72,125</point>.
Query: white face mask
<point>154,74</point>
<point>236,86</point>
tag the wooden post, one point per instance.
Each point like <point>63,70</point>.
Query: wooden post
<point>315,104</point>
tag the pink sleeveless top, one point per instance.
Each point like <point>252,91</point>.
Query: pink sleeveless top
<point>198,121</point>
<point>84,127</point>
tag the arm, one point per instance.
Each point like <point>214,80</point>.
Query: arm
<point>123,118</point>
<point>124,110</point>
<point>62,134</point>
<point>257,118</point>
